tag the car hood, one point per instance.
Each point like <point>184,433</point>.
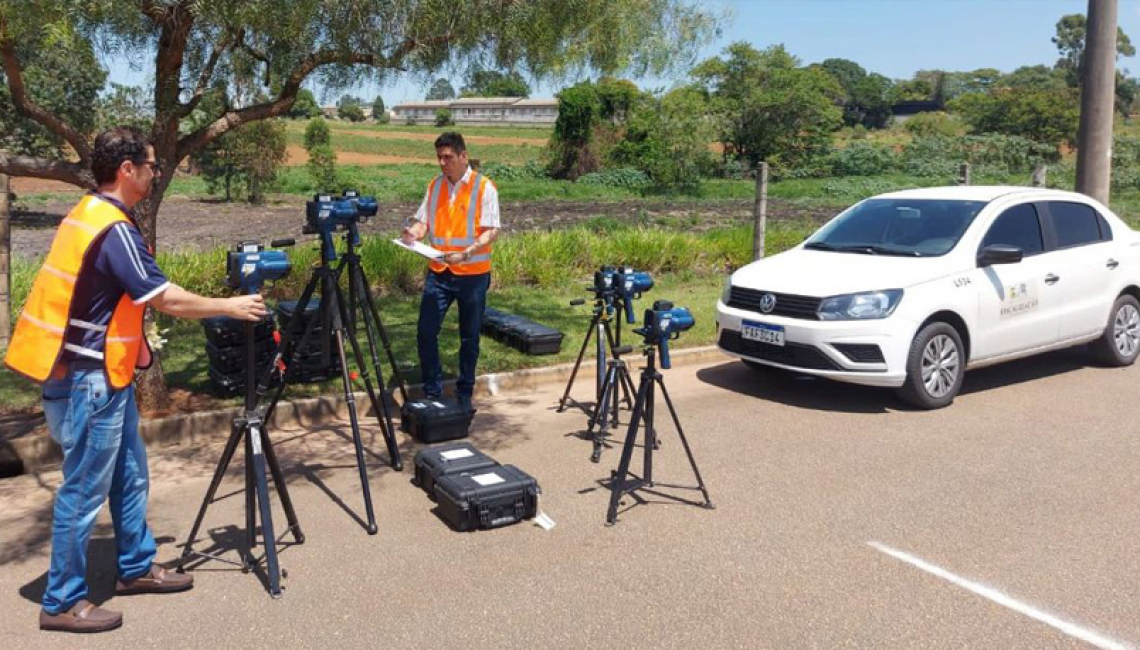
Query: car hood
<point>808,272</point>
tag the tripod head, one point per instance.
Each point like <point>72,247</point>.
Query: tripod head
<point>616,287</point>
<point>664,323</point>
<point>249,265</point>
<point>328,213</point>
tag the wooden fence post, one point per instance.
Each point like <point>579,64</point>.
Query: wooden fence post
<point>760,212</point>
<point>964,174</point>
<point>5,263</point>
<point>1039,175</point>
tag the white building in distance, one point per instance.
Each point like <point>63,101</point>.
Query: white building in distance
<point>481,111</point>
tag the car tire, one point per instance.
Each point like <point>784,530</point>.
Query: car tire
<point>935,367</point>
<point>1120,343</point>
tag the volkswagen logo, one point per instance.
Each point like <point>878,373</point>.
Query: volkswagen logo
<point>767,303</point>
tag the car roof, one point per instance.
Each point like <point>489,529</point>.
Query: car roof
<point>985,193</point>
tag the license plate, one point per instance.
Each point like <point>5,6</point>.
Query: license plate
<point>762,332</point>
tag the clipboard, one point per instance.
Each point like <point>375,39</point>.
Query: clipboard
<point>420,249</point>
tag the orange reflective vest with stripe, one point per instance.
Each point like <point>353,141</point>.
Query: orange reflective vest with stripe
<point>453,226</point>
<point>41,331</point>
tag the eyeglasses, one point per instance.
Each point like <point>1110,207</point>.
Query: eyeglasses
<point>153,164</point>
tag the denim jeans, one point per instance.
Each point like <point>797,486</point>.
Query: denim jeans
<point>440,290</point>
<point>103,456</point>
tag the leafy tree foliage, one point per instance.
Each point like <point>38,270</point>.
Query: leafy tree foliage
<point>1070,42</point>
<point>443,117</point>
<point>322,159</point>
<point>350,108</point>
<point>1041,77</point>
<point>867,100</point>
<point>616,97</point>
<point>588,117</point>
<point>492,83</point>
<point>124,105</point>
<point>767,107</point>
<point>1049,117</point>
<point>667,139</point>
<point>305,107</point>
<point>62,75</point>
<point>379,112</point>
<point>441,90</point>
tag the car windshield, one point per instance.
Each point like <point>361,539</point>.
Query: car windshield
<point>903,227</point>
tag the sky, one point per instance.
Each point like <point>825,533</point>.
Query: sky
<point>894,38</point>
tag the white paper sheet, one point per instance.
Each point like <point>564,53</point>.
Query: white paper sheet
<point>419,248</point>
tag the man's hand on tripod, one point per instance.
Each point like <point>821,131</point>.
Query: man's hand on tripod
<point>249,307</point>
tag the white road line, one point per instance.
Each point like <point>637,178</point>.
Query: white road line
<point>996,596</point>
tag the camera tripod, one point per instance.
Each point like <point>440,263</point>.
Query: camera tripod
<point>616,377</point>
<point>606,309</point>
<point>339,319</point>
<point>622,480</point>
<point>250,427</point>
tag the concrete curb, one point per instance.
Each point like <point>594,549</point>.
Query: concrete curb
<point>38,452</point>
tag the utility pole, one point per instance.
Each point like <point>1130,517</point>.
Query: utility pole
<point>1098,90</point>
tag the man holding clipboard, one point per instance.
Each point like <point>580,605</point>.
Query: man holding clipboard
<point>459,217</point>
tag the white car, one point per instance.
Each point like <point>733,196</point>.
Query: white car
<point>910,289</point>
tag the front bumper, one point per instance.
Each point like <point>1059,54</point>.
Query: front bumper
<point>840,350</point>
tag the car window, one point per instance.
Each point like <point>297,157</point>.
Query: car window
<point>906,227</point>
<point>1075,224</point>
<point>1017,226</point>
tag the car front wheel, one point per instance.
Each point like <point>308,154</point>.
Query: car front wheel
<point>934,368</point>
<point>1120,343</point>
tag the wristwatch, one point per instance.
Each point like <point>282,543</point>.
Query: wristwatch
<point>466,255</point>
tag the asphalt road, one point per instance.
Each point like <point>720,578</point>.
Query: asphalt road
<point>842,520</point>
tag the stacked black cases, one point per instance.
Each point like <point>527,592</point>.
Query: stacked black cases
<point>521,333</point>
<point>436,420</point>
<point>443,460</point>
<point>225,349</point>
<point>486,498</point>
<point>311,367</point>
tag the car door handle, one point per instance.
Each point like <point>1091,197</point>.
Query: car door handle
<point>1052,279</point>
<point>1112,264</point>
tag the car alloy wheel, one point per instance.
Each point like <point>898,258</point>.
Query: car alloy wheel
<point>1126,330</point>
<point>941,364</point>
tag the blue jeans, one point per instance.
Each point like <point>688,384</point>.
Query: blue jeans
<point>440,290</point>
<point>103,456</point>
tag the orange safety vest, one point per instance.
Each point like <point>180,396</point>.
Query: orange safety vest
<point>41,331</point>
<point>453,226</point>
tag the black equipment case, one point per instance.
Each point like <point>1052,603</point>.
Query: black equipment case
<point>443,460</point>
<point>436,420</point>
<point>224,331</point>
<point>486,498</point>
<point>521,333</point>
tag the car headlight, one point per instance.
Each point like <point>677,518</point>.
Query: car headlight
<point>726,293</point>
<point>860,306</point>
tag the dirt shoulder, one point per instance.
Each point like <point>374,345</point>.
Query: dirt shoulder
<point>203,224</point>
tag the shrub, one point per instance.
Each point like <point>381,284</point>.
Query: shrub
<point>626,177</point>
<point>861,159</point>
<point>322,167</point>
<point>930,124</point>
<point>443,117</point>
<point>317,133</point>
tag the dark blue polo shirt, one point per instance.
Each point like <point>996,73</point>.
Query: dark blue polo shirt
<point>117,262</point>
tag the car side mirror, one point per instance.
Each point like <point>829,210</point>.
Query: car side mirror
<point>1000,254</point>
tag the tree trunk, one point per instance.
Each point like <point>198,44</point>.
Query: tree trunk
<point>150,384</point>
<point>5,264</point>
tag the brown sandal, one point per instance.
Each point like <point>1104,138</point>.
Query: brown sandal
<point>84,617</point>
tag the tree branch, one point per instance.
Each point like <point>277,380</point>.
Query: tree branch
<point>205,76</point>
<point>233,119</point>
<point>51,169</point>
<point>26,107</point>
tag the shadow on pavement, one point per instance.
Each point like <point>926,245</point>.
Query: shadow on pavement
<point>816,393</point>
<point>101,569</point>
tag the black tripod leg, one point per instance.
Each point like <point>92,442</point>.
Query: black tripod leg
<point>353,418</point>
<point>219,473</point>
<point>577,362</point>
<point>379,404</point>
<point>268,537</point>
<point>282,488</point>
<point>627,382</point>
<point>371,310</point>
<point>650,434</point>
<point>685,444</point>
<point>601,414</point>
<point>617,486</point>
<point>250,505</point>
<point>287,339</point>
